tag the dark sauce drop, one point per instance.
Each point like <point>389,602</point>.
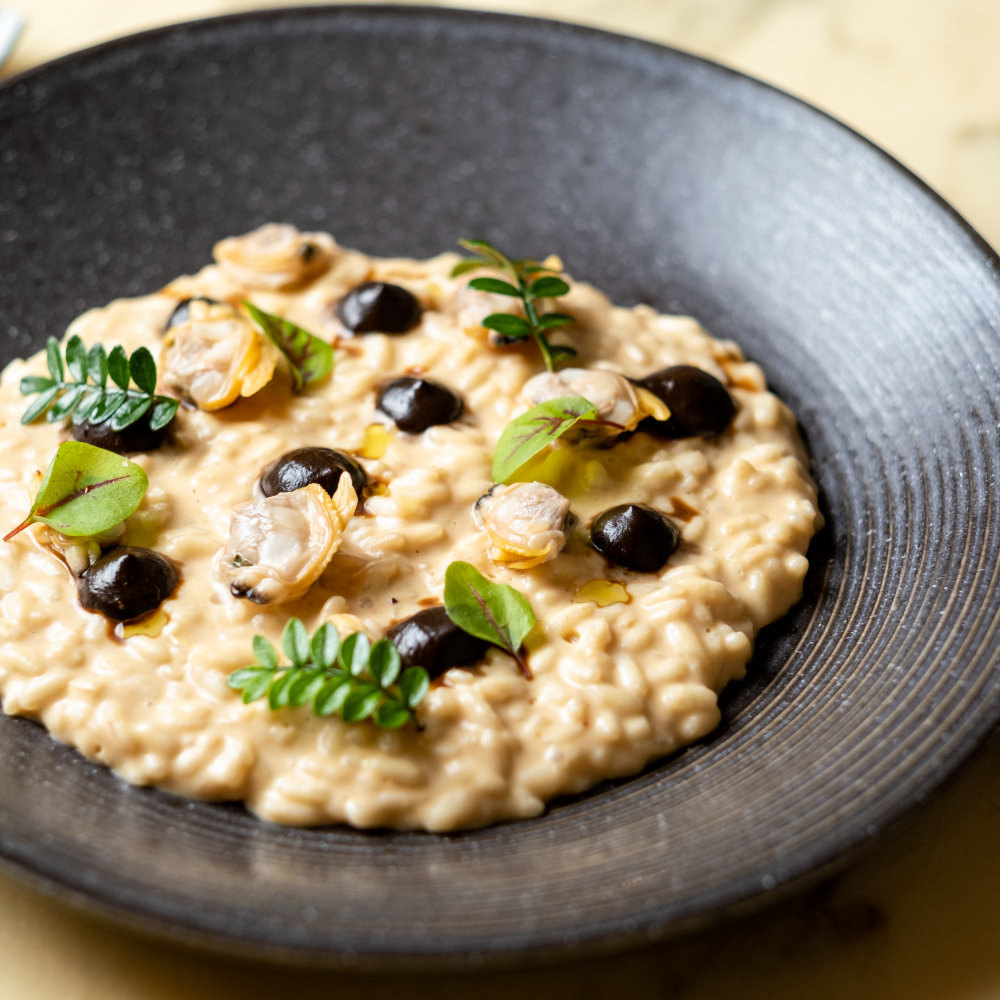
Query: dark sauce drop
<point>635,536</point>
<point>430,639</point>
<point>414,404</point>
<point>136,437</point>
<point>700,405</point>
<point>379,307</point>
<point>127,582</point>
<point>302,466</point>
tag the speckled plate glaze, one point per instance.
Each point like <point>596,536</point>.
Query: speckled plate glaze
<point>660,177</point>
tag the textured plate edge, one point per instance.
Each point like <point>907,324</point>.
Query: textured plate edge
<point>578,28</point>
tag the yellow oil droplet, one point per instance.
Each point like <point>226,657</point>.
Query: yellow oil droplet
<point>565,470</point>
<point>378,488</point>
<point>375,442</point>
<point>594,476</point>
<point>603,593</point>
<point>151,625</point>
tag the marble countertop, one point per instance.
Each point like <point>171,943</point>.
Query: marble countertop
<point>919,915</point>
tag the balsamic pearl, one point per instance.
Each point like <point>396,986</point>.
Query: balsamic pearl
<point>699,403</point>
<point>136,437</point>
<point>182,312</point>
<point>430,639</point>
<point>378,307</point>
<point>635,536</point>
<point>303,466</point>
<point>127,583</point>
<point>415,404</point>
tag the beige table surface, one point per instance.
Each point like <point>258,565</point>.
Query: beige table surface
<point>917,918</point>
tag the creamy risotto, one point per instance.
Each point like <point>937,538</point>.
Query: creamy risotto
<point>626,665</point>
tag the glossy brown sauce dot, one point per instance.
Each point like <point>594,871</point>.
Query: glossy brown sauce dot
<point>699,404</point>
<point>127,582</point>
<point>635,536</point>
<point>379,307</point>
<point>430,639</point>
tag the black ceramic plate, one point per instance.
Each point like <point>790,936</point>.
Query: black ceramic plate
<point>874,310</point>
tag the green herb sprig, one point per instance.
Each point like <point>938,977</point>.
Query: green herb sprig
<point>353,679</point>
<point>79,387</point>
<point>529,282</point>
<point>494,612</point>
<point>309,358</point>
<point>85,491</point>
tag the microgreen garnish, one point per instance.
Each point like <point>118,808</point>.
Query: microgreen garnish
<point>530,281</point>
<point>354,679</point>
<point>490,611</point>
<point>85,491</point>
<point>80,387</point>
<point>526,435</point>
<point>309,358</point>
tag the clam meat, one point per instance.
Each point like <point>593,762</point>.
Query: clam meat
<point>215,357</point>
<point>275,257</point>
<point>619,402</point>
<point>527,523</point>
<point>280,545</point>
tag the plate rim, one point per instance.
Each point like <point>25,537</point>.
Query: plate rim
<point>809,870</point>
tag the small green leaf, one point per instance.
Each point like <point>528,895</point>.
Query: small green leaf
<point>361,702</point>
<point>309,358</point>
<point>143,370</point>
<point>31,384</point>
<point>305,687</point>
<point>547,287</point>
<point>512,327</point>
<point>491,611</point>
<point>88,402</point>
<point>253,681</point>
<point>64,405</point>
<point>86,491</point>
<point>551,321</point>
<point>295,642</point>
<point>560,352</point>
<point>129,412</point>
<point>97,365</point>
<point>76,358</point>
<point>106,407</point>
<point>325,645</point>
<point>384,663</point>
<point>525,436</point>
<point>53,359</point>
<point>353,655</point>
<point>118,366</point>
<point>277,696</point>
<point>414,685</point>
<point>239,679</point>
<point>258,688</point>
<point>392,714</point>
<point>163,412</point>
<point>490,254</point>
<point>468,264</point>
<point>494,285</point>
<point>331,695</point>
<point>40,404</point>
<point>267,655</point>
